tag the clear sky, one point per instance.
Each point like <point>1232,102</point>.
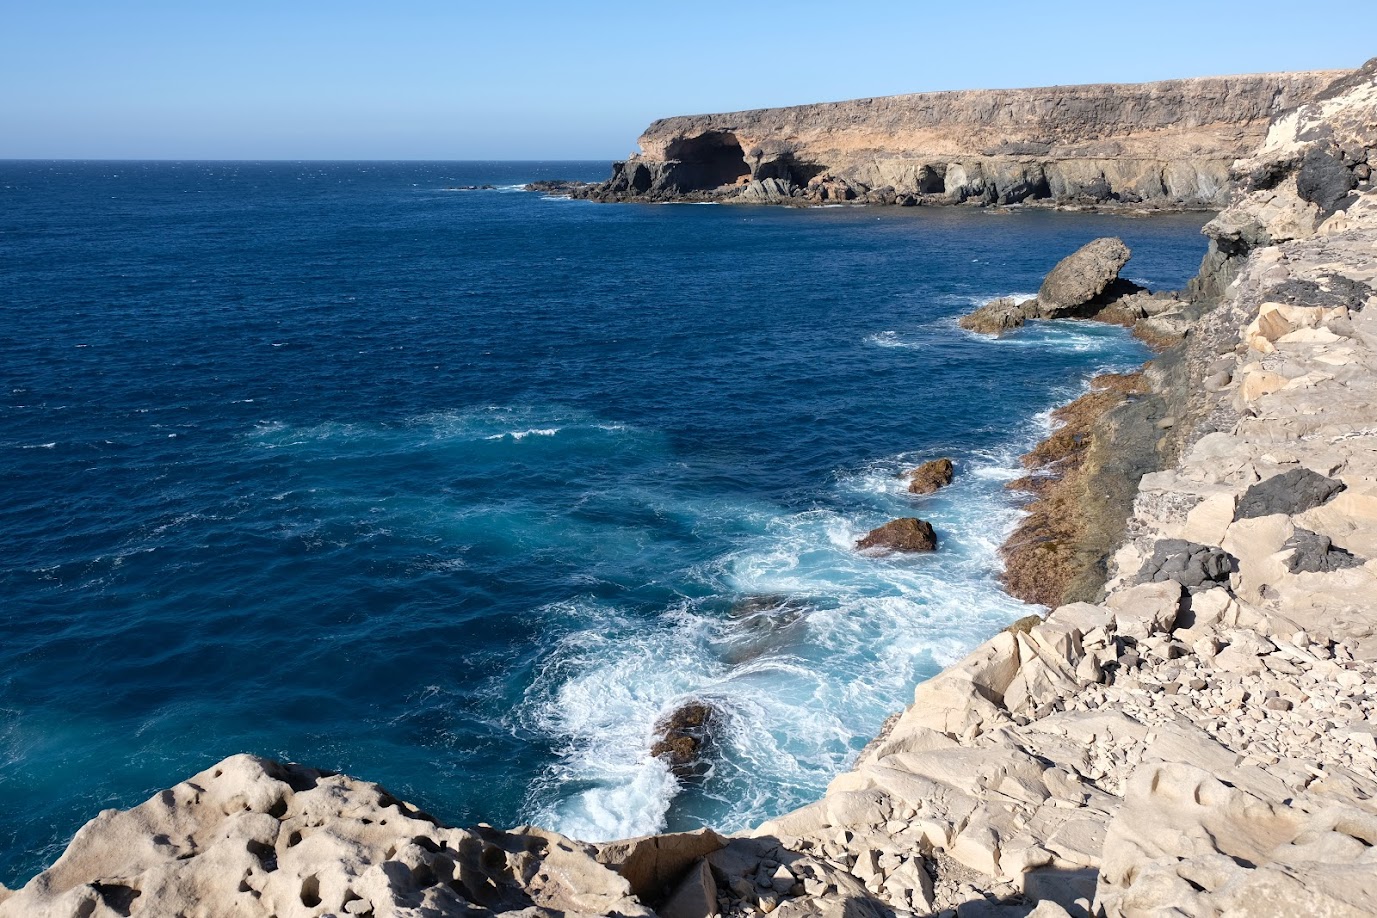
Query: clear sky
<point>525,79</point>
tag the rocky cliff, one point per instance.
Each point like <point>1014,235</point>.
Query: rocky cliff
<point>1160,144</point>
<point>1198,742</point>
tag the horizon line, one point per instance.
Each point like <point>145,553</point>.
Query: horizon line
<point>271,159</point>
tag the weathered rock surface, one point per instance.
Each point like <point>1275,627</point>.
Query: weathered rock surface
<point>250,837</point>
<point>997,316</point>
<point>906,534</point>
<point>1076,284</point>
<point>931,476</point>
<point>1082,482</point>
<point>1151,144</point>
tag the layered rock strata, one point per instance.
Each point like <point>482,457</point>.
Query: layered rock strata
<point>1163,144</point>
<point>1199,741</point>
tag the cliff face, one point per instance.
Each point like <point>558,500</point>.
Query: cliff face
<point>1167,143</point>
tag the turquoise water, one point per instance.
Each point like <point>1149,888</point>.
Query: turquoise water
<point>461,491</point>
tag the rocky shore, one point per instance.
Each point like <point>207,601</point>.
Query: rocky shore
<point>1148,146</point>
<point>1192,735</point>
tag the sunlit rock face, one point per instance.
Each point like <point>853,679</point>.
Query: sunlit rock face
<point>1165,144</point>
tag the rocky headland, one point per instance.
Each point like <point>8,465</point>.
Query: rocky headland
<point>1189,732</point>
<point>1157,145</point>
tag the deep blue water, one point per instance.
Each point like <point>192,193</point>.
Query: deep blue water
<point>456,490</point>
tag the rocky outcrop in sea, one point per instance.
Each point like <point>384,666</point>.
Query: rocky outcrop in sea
<point>1194,737</point>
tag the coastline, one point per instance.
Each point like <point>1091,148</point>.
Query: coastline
<point>1069,767</point>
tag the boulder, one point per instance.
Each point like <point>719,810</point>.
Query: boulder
<point>1323,180</point>
<point>695,897</point>
<point>996,317</point>
<point>930,476</point>
<point>685,737</point>
<point>1076,284</point>
<point>904,534</point>
<point>1290,492</point>
<point>654,864</point>
<point>1196,567</point>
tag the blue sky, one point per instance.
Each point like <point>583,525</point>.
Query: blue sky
<point>540,80</point>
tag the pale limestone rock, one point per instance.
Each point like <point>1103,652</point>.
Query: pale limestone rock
<point>251,837</point>
<point>1182,836</point>
<point>1146,609</point>
<point>652,863</point>
<point>695,896</point>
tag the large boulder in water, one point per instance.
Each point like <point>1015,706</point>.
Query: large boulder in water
<point>904,534</point>
<point>930,476</point>
<point>996,317</point>
<point>686,737</point>
<point>1083,280</point>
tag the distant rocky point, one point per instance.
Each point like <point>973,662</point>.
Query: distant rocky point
<point>1167,144</point>
<point>556,186</point>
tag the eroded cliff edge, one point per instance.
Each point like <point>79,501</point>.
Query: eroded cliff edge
<point>1163,144</point>
<point>1200,742</point>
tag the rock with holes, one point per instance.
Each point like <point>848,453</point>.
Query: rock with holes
<point>251,837</point>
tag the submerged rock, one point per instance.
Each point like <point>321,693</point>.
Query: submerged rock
<point>930,476</point>
<point>907,533</point>
<point>760,625</point>
<point>686,737</point>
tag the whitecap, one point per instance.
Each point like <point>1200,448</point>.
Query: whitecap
<point>523,434</point>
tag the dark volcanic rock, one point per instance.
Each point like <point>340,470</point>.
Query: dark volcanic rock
<point>1316,553</point>
<point>1290,492</point>
<point>1324,180</point>
<point>930,476</point>
<point>1196,567</point>
<point>904,534</point>
<point>1080,280</point>
<point>1330,290</point>
<point>556,186</point>
<point>686,737</point>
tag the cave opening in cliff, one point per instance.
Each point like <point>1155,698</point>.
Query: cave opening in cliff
<point>708,161</point>
<point>932,180</point>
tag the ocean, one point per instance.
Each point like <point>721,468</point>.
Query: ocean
<point>461,491</point>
